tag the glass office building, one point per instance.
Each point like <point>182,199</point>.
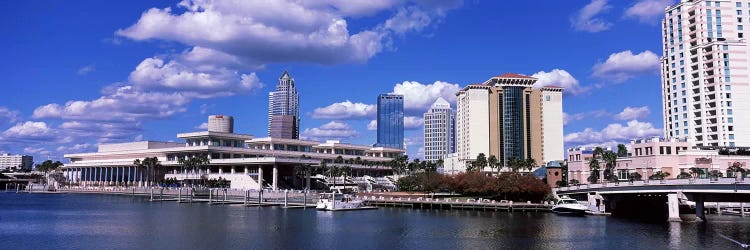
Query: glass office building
<point>390,121</point>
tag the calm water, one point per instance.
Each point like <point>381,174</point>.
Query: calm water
<point>85,221</point>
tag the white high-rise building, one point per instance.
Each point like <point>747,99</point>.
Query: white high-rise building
<point>552,124</point>
<point>221,123</point>
<point>9,161</point>
<point>472,122</point>
<point>439,132</point>
<point>705,72</point>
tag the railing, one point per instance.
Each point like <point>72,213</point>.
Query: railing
<point>692,181</point>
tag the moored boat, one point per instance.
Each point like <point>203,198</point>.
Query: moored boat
<point>337,201</point>
<point>568,206</point>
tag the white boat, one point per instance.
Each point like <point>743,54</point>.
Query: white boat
<point>337,201</point>
<point>568,206</point>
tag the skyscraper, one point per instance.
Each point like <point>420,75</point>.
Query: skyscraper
<point>508,118</point>
<point>283,109</point>
<point>390,121</point>
<point>439,132</point>
<point>705,72</point>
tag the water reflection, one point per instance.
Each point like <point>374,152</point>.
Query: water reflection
<point>91,221</point>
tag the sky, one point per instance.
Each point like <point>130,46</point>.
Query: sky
<point>77,74</point>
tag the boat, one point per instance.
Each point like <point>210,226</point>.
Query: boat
<point>337,201</point>
<point>568,206</point>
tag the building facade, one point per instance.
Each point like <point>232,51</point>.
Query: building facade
<point>508,118</point>
<point>16,162</point>
<point>439,132</point>
<point>648,156</point>
<point>221,123</point>
<point>390,121</point>
<point>246,162</point>
<point>705,72</point>
<point>283,109</point>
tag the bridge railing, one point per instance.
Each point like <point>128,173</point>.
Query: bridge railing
<point>654,183</point>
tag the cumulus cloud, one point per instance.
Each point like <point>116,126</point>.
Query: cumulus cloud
<point>419,97</point>
<point>36,150</point>
<point>372,125</point>
<point>264,32</point>
<point>86,69</point>
<point>559,78</point>
<point>413,122</point>
<point>29,132</point>
<point>633,113</point>
<point>332,130</point>
<point>203,126</point>
<point>8,116</point>
<point>613,132</point>
<point>647,11</point>
<point>345,110</point>
<point>76,148</point>
<point>622,66</point>
<point>588,18</point>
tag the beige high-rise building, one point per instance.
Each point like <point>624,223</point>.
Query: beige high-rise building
<point>508,118</point>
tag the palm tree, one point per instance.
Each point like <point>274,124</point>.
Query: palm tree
<point>193,163</point>
<point>597,152</point>
<point>529,163</point>
<point>48,166</point>
<point>481,162</point>
<point>399,164</point>
<point>622,151</point>
<point>150,164</point>
<point>594,169</point>
<point>610,159</point>
<point>492,161</point>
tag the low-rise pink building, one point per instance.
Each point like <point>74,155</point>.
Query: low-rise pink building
<point>647,156</point>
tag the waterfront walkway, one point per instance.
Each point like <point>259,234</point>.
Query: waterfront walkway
<point>451,203</point>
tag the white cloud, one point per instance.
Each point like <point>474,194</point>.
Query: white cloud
<point>569,118</point>
<point>28,131</point>
<point>205,107</point>
<point>8,116</point>
<point>587,19</point>
<point>36,150</point>
<point>264,32</point>
<point>413,122</point>
<point>76,148</point>
<point>86,69</point>
<point>345,110</point>
<point>613,132</point>
<point>633,113</point>
<point>372,125</point>
<point>647,11</point>
<point>625,65</point>
<point>331,130</point>
<point>419,97</point>
<point>560,78</point>
<point>203,126</point>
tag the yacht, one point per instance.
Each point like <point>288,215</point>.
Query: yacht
<point>568,206</point>
<point>337,201</point>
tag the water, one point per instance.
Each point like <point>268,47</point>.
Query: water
<point>86,221</point>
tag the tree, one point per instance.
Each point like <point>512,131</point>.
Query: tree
<point>597,152</point>
<point>529,164</point>
<point>715,174</point>
<point>481,162</point>
<point>696,171</point>
<point>515,164</point>
<point>150,164</point>
<point>610,160</point>
<point>622,151</point>
<point>635,176</point>
<point>193,163</point>
<point>684,175</point>
<point>594,170</point>
<point>399,164</point>
<point>493,163</point>
<point>659,175</point>
<point>47,166</point>
<point>574,182</point>
<point>339,159</point>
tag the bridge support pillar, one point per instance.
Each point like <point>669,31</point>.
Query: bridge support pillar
<point>673,205</point>
<point>700,208</point>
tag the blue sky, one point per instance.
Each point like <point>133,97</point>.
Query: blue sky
<point>81,73</point>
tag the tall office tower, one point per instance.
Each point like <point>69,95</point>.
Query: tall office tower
<point>509,119</point>
<point>283,109</point>
<point>221,123</point>
<point>704,72</point>
<point>472,123</point>
<point>390,121</point>
<point>439,132</point>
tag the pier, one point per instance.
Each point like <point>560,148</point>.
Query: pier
<point>458,204</point>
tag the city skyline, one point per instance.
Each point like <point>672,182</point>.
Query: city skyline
<point>101,89</point>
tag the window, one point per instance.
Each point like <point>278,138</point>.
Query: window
<point>729,103</point>
<point>728,87</point>
<point>686,131</point>
<point>730,120</point>
<point>739,12</point>
<point>729,95</point>
<point>729,111</point>
<point>731,136</point>
<point>548,98</point>
<point>739,27</point>
<point>725,47</point>
<point>739,4</point>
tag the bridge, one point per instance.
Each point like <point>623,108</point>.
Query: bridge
<point>655,198</point>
